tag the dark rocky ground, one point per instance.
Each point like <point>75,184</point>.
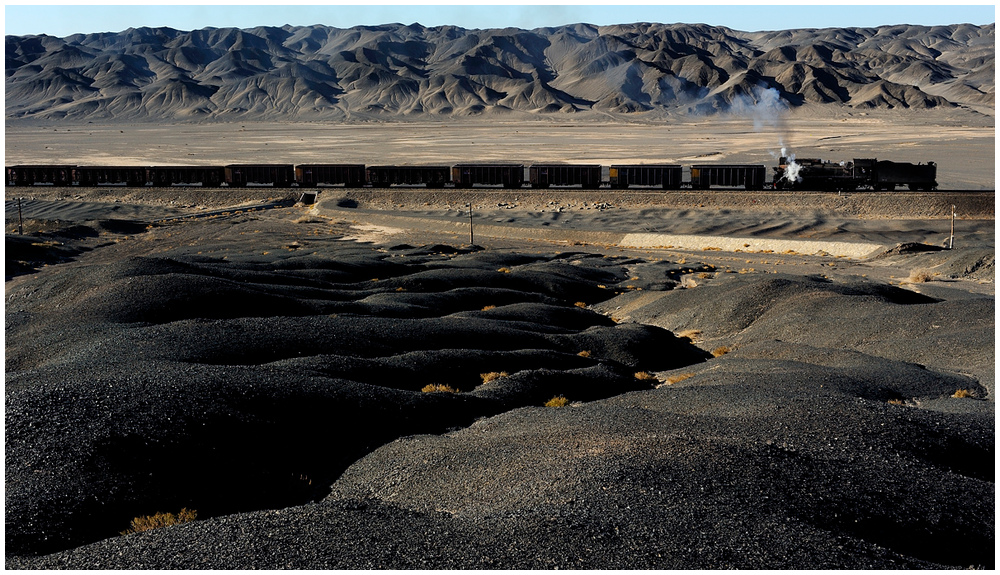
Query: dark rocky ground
<point>262,371</point>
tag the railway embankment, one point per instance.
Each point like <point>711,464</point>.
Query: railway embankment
<point>969,204</point>
<point>938,204</point>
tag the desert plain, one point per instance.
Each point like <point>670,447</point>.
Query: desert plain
<point>754,380</point>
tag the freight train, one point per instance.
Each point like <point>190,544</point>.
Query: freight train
<point>802,175</point>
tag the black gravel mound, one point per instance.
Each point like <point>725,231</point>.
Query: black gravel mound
<point>227,385</point>
<point>765,469</point>
<point>277,387</point>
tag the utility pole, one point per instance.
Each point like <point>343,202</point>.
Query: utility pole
<point>472,237</point>
<point>951,239</point>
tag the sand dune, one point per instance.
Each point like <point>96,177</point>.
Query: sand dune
<point>394,71</point>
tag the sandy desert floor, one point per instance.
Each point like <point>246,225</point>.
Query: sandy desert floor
<point>960,142</point>
<point>817,371</point>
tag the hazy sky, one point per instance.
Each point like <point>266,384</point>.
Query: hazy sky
<point>60,19</point>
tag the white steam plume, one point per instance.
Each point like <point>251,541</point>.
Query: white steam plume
<point>765,106</point>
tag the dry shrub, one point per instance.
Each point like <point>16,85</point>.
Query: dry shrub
<point>580,304</point>
<point>645,376</point>
<point>493,375</point>
<point>689,334</point>
<point>147,522</point>
<point>504,270</point>
<point>720,351</point>
<point>896,402</point>
<point>585,353</point>
<point>678,378</point>
<point>960,393</point>
<point>920,276</point>
<point>489,307</point>
<point>711,249</point>
<point>434,387</point>
<point>704,275</point>
<point>557,401</point>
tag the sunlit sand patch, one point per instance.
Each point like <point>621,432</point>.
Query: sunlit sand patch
<point>845,249</point>
<point>371,233</point>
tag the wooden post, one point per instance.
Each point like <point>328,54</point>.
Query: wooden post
<point>20,220</point>
<point>472,237</point>
<point>951,239</point>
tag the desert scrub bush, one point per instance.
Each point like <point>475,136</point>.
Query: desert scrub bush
<point>489,307</point>
<point>896,402</point>
<point>557,401</point>
<point>920,276</point>
<point>435,387</point>
<point>493,375</point>
<point>586,352</point>
<point>678,378</point>
<point>645,376</point>
<point>721,350</point>
<point>960,393</point>
<point>147,522</point>
<point>689,334</point>
<point>504,270</point>
<point>580,304</point>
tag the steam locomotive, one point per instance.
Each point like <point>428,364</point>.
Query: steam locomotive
<point>789,174</point>
<point>815,174</point>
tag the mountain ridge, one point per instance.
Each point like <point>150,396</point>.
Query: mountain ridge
<point>644,70</point>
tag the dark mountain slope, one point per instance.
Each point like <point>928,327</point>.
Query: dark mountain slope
<point>650,70</point>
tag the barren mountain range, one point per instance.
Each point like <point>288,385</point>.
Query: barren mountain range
<point>396,71</point>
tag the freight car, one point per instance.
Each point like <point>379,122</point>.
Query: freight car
<point>313,175</point>
<point>131,176</point>
<point>430,176</point>
<point>40,175</point>
<point>277,175</point>
<point>667,177</point>
<point>506,175</point>
<point>211,177</point>
<point>544,175</point>
<point>750,177</point>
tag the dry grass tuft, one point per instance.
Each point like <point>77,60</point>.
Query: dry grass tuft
<point>489,307</point>
<point>689,334</point>
<point>920,276</point>
<point>721,350</point>
<point>580,304</point>
<point>493,375</point>
<point>896,402</point>
<point>558,401</point>
<point>504,270</point>
<point>962,393</point>
<point>147,522</point>
<point>645,376</point>
<point>438,387</point>
<point>585,353</point>
<point>678,378</point>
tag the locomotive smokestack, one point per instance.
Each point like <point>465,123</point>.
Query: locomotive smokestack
<point>789,168</point>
